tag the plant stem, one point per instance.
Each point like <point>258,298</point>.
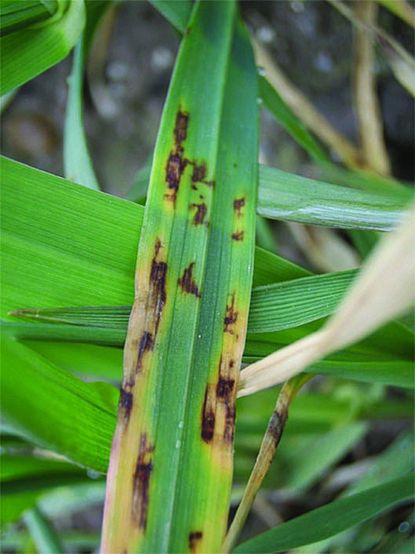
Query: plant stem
<point>265,456</point>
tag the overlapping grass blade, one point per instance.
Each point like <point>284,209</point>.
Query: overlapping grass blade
<point>332,518</point>
<point>176,411</point>
<point>28,52</point>
<point>273,307</point>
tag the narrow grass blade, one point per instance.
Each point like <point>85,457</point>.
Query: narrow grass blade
<point>332,518</point>
<point>290,197</point>
<point>175,424</point>
<point>264,459</point>
<point>177,12</point>
<point>77,161</point>
<point>31,51</point>
<point>273,307</point>
<point>291,123</point>
<point>44,536</point>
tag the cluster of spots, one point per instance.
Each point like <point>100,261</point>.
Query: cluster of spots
<point>177,163</point>
<point>231,316</point>
<point>219,403</point>
<point>187,283</point>
<point>194,538</point>
<point>141,482</point>
<point>238,204</point>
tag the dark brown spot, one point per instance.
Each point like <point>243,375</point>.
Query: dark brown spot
<point>199,173</point>
<point>238,204</point>
<point>125,404</point>
<point>187,283</point>
<point>146,344</point>
<point>158,284</point>
<point>141,482</point>
<point>194,538</point>
<point>239,235</point>
<point>208,417</point>
<point>200,214</point>
<point>175,167</point>
<point>180,129</point>
<point>224,388</point>
<point>231,316</point>
<point>276,425</point>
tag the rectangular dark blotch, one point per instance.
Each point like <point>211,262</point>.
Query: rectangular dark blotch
<point>175,167</point>
<point>158,275</point>
<point>231,316</point>
<point>194,538</point>
<point>187,283</point>
<point>208,417</point>
<point>238,204</point>
<point>146,344</point>
<point>180,128</point>
<point>224,388</point>
<point>200,214</point>
<point>199,173</point>
<point>141,482</point>
<point>125,404</point>
<point>239,235</point>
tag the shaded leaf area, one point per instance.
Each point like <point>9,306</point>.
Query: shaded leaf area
<point>332,518</point>
<point>29,51</point>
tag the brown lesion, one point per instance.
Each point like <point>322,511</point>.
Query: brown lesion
<point>141,482</point>
<point>199,172</point>
<point>187,283</point>
<point>238,204</point>
<point>176,162</point>
<point>208,415</point>
<point>200,213</point>
<point>146,344</point>
<point>238,235</point>
<point>158,293</point>
<point>125,403</point>
<point>276,425</point>
<point>231,316</point>
<point>194,539</point>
